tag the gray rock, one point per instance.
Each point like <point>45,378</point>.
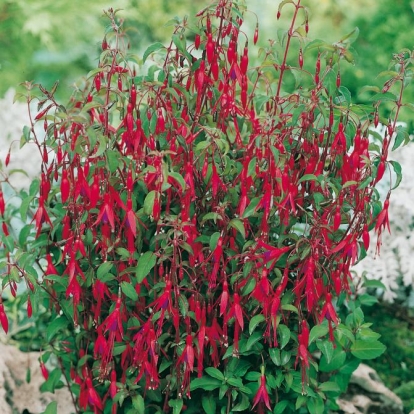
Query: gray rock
<point>367,394</point>
<point>16,394</point>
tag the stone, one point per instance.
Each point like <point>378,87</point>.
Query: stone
<point>367,394</point>
<point>19,396</point>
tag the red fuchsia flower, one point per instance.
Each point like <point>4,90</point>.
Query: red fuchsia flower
<point>3,319</point>
<point>382,222</point>
<point>328,312</point>
<point>99,291</point>
<point>262,396</point>
<point>44,370</point>
<point>235,312</point>
<point>339,143</point>
<point>41,216</point>
<point>165,304</point>
<point>50,269</point>
<point>216,257</point>
<point>89,397</point>
<point>262,289</point>
<point>106,213</point>
<point>272,254</point>
<point>303,354</point>
<point>113,323</point>
<point>186,362</point>
<point>145,355</point>
<point>215,336</point>
<point>201,338</point>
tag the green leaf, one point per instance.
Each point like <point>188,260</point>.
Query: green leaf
<point>103,269</point>
<point>367,300</point>
<point>387,96</point>
<point>274,354</point>
<point>205,383</point>
<point>400,137</point>
<point>149,202</point>
<point>176,405</point>
<point>255,337</point>
<point>350,37</point>
<point>254,322</point>
<point>24,234</point>
<point>283,3</point>
<point>213,240</point>
<point>327,349</point>
<point>211,216</point>
<point>242,405</point>
<point>235,382</point>
<point>252,376</point>
<point>55,326</point>
<point>280,407</point>
<point>239,226</point>
<point>289,307</point>
<point>329,386</point>
<point>113,160</point>
<point>179,41</point>
<point>24,206</point>
<point>336,362</point>
<point>151,49</point>
<point>222,391</point>
<point>34,187</point>
<point>285,357</point>
<point>316,405</point>
<point>329,81</point>
<point>145,263</point>
<point>51,408</point>
<point>52,382</point>
<point>215,373</point>
<point>307,177</point>
<point>129,291</point>
<point>364,349</point>
<point>251,169</point>
<point>138,403</point>
<point>345,93</point>
<point>284,335</point>
<point>8,242</point>
<point>319,44</point>
<point>183,305</point>
<point>26,136</point>
<point>365,183</point>
<point>209,404</point>
<point>178,177</point>
<point>318,331</point>
<point>376,284</point>
<point>251,208</point>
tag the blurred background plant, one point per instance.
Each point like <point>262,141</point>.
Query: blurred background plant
<point>46,40</point>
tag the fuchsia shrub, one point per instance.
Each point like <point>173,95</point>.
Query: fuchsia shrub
<point>196,225</point>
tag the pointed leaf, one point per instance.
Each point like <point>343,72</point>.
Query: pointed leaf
<point>129,291</point>
<point>51,408</point>
<point>254,322</point>
<point>145,263</point>
<point>284,335</point>
<point>239,226</point>
<point>318,331</point>
<point>215,373</point>
<point>364,349</point>
<point>151,49</point>
<point>209,404</point>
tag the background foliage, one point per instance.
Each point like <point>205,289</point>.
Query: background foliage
<point>38,40</point>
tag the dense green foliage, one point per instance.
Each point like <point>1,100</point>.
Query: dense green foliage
<point>37,40</point>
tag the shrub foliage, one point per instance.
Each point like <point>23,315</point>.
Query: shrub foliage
<point>194,226</point>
